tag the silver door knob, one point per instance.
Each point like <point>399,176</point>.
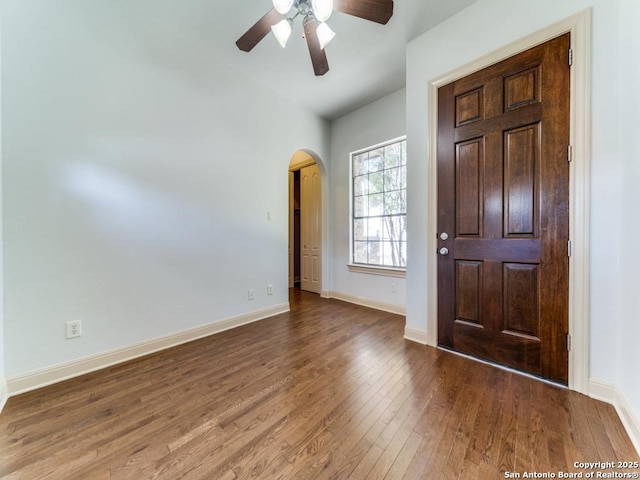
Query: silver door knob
<point>443,251</point>
<point>444,236</point>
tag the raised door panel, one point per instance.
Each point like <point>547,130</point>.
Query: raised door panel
<point>469,187</point>
<point>469,292</point>
<point>521,152</point>
<point>521,302</point>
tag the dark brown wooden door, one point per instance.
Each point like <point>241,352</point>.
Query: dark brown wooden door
<point>503,212</point>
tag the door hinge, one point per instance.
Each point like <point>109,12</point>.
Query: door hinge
<point>570,153</point>
<point>568,342</point>
<point>570,57</point>
<point>569,248</point>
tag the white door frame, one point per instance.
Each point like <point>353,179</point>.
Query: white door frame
<point>579,26</point>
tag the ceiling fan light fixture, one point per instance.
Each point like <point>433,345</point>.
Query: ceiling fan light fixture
<point>283,6</point>
<point>282,31</point>
<point>322,9</point>
<point>325,34</point>
<point>314,14</point>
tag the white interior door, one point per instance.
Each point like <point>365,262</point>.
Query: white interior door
<point>291,236</point>
<point>310,231</point>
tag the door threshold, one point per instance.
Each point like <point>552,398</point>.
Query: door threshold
<point>503,367</point>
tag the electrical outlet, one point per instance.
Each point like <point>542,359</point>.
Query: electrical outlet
<point>74,329</point>
<point>252,294</point>
<point>269,289</point>
<point>394,287</point>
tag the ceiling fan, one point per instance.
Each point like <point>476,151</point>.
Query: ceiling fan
<point>314,15</point>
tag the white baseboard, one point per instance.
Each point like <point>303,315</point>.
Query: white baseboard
<point>609,393</point>
<point>57,373</point>
<point>629,419</point>
<point>4,393</point>
<point>415,335</point>
<point>601,390</point>
<point>369,302</point>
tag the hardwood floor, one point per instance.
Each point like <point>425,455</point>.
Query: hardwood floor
<point>329,390</point>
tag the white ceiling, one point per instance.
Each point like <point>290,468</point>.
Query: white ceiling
<point>367,61</point>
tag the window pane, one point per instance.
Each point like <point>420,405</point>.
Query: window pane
<point>360,164</point>
<point>395,202</point>
<point>402,253</point>
<point>395,178</point>
<point>376,160</point>
<point>395,253</point>
<point>393,227</point>
<point>360,207</point>
<point>374,230</point>
<point>391,179</point>
<point>360,229</point>
<point>376,203</point>
<point>387,257</point>
<point>376,184</point>
<point>375,253</point>
<point>393,155</point>
<point>360,185</point>
<point>360,252</point>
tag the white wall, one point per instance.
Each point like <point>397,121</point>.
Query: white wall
<point>3,383</point>
<point>375,123</point>
<point>483,28</point>
<point>629,318</point>
<point>138,175</point>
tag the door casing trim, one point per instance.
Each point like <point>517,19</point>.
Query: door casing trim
<point>579,25</point>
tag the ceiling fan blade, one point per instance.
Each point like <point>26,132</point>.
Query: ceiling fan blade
<point>379,11</point>
<point>318,57</point>
<point>256,33</point>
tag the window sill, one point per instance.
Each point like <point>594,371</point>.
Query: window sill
<point>373,270</point>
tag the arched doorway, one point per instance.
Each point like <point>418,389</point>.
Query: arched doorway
<point>305,223</point>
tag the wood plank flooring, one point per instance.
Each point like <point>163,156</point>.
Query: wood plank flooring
<point>329,391</point>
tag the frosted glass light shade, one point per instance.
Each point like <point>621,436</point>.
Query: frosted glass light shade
<point>282,31</point>
<point>283,6</point>
<point>325,34</point>
<point>322,9</point>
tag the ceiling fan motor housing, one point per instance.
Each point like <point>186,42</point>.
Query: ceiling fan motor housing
<point>303,7</point>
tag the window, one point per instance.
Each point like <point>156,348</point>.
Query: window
<point>379,205</point>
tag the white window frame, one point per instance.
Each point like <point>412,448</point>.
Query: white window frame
<point>390,271</point>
